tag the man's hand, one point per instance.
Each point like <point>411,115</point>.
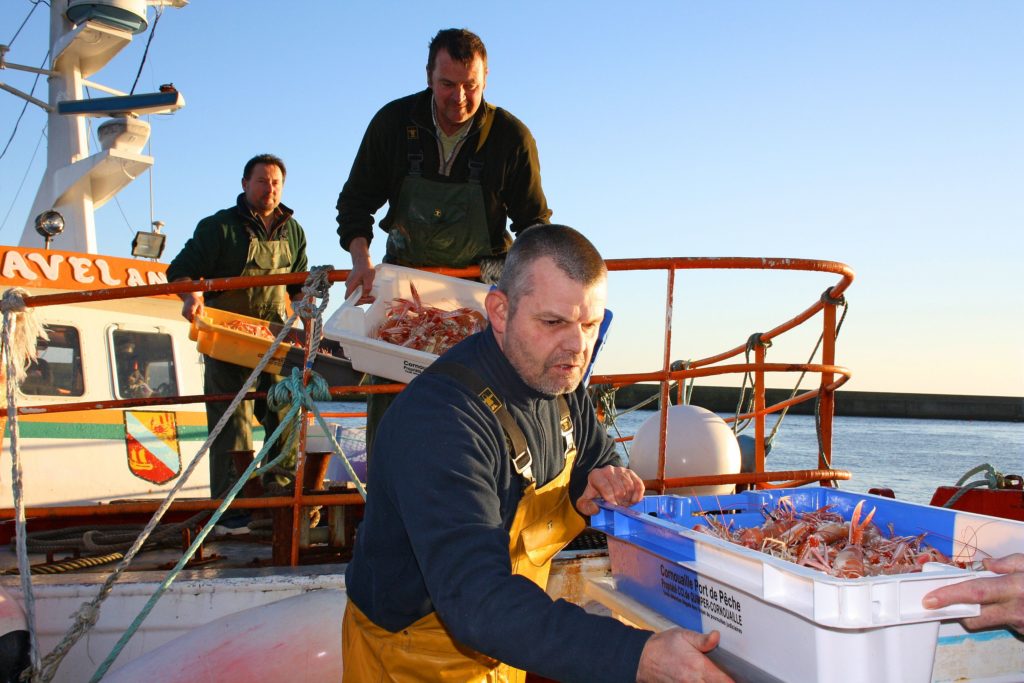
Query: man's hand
<point>617,485</point>
<point>676,655</point>
<point>362,272</point>
<point>192,305</point>
<point>1001,597</point>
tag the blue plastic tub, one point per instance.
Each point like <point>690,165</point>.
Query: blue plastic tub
<point>795,622</point>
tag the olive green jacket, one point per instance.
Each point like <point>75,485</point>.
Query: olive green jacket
<point>220,245</point>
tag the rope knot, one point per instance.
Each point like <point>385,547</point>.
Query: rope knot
<point>89,614</point>
<point>756,340</point>
<point>13,300</point>
<point>290,389</point>
<point>315,287</point>
<point>827,298</point>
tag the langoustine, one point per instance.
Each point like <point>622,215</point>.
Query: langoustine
<point>822,540</point>
<point>412,324</point>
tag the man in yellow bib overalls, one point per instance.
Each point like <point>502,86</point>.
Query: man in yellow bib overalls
<point>483,468</point>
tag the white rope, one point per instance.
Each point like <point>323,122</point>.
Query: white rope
<point>87,615</point>
<point>316,285</point>
<point>19,342</point>
<point>16,353</point>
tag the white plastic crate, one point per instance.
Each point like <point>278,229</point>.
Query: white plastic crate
<point>351,325</point>
<point>793,622</point>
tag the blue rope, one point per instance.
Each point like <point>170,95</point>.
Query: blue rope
<point>300,398</point>
<point>992,479</point>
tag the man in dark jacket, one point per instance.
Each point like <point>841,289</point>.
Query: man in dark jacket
<point>256,236</point>
<point>452,168</point>
<point>452,558</point>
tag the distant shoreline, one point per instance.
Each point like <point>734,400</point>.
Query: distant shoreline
<point>855,403</point>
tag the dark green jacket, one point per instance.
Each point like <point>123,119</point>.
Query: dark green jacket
<point>220,244</point>
<point>510,180</point>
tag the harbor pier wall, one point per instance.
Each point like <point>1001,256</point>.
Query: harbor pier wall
<point>855,403</point>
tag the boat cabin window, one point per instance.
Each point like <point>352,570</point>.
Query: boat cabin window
<point>144,364</point>
<point>58,369</point>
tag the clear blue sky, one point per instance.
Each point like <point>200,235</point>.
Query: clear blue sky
<point>886,135</point>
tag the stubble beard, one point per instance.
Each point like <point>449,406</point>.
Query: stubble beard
<point>535,372</point>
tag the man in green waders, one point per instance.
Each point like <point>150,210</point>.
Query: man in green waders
<point>256,236</point>
<point>453,170</point>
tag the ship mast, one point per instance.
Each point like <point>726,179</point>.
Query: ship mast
<point>84,37</point>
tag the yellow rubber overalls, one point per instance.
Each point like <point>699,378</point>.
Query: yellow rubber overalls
<point>544,523</point>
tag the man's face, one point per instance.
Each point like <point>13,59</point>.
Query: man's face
<point>550,338</point>
<point>263,188</point>
<point>458,89</point>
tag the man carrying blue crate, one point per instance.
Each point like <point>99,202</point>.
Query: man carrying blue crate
<point>453,170</point>
<point>485,466</point>
<point>256,236</point>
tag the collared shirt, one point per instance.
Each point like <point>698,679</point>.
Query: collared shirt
<point>448,146</point>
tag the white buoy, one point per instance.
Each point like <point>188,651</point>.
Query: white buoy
<point>698,442</point>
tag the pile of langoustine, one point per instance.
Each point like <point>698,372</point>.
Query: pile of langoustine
<point>822,540</point>
<point>246,327</point>
<point>410,323</point>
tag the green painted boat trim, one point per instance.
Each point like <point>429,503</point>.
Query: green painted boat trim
<point>115,432</point>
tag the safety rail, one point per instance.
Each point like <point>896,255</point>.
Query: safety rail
<point>832,377</point>
<point>705,367</point>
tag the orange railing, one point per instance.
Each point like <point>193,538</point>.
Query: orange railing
<point>832,377</point>
<point>706,367</point>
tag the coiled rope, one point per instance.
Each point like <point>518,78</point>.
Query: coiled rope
<point>992,479</point>
<point>106,544</point>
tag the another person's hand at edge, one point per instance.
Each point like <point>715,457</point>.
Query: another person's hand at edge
<point>677,656</point>
<point>192,305</point>
<point>616,485</point>
<point>362,272</point>
<point>1001,597</point>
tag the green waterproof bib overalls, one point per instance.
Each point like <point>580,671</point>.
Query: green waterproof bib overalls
<point>433,224</point>
<point>264,257</point>
<point>437,223</point>
<point>545,522</point>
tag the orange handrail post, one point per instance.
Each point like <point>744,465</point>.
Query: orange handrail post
<point>666,366</point>
<point>759,399</point>
<point>827,403</point>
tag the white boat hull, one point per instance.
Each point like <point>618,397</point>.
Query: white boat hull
<point>296,639</point>
<point>195,600</point>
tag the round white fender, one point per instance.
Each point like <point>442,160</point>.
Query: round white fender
<point>14,647</point>
<point>296,640</point>
<point>698,442</point>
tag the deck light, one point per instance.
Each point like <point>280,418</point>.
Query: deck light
<point>149,244</point>
<point>49,224</point>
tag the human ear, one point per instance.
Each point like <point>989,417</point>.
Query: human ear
<point>496,305</point>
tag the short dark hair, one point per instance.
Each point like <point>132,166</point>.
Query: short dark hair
<point>572,253</point>
<point>269,159</point>
<point>460,43</point>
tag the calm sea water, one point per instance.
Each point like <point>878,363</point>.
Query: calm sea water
<point>912,457</point>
